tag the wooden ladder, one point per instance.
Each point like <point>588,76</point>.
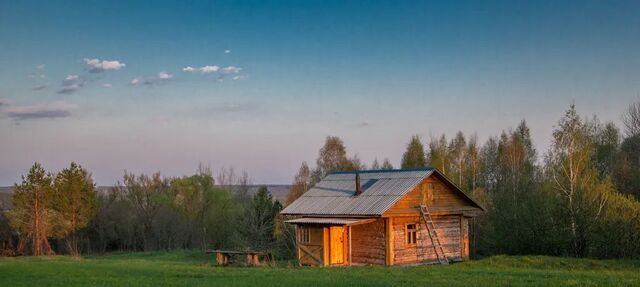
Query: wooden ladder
<point>433,234</point>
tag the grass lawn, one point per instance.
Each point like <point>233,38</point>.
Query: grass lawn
<point>189,268</point>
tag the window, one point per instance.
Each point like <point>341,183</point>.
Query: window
<point>304,234</point>
<point>412,234</point>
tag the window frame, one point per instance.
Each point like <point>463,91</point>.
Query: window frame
<point>411,234</point>
<point>304,234</point>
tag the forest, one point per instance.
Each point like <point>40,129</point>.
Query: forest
<point>579,198</point>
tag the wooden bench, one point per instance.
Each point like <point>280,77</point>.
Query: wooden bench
<point>223,257</point>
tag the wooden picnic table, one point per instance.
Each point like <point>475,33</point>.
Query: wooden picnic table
<point>223,257</point>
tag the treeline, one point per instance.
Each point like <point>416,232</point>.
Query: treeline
<point>63,213</point>
<point>579,198</point>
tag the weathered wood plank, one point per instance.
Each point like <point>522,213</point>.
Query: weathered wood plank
<point>389,240</point>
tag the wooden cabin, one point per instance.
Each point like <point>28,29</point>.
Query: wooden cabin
<point>382,217</point>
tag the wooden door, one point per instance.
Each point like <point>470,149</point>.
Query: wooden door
<point>336,248</point>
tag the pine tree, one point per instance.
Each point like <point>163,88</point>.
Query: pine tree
<point>258,226</point>
<point>414,156</point>
<point>32,214</point>
<point>75,202</point>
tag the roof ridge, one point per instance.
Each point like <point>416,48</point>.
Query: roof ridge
<point>382,170</point>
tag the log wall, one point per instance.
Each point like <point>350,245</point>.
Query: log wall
<point>449,232</point>
<point>368,243</point>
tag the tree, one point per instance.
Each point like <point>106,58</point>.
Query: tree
<point>414,156</point>
<point>519,222</point>
<point>355,163</point>
<point>237,185</point>
<point>144,194</point>
<point>332,157</point>
<point>627,168</point>
<point>489,168</point>
<point>606,141</point>
<point>375,165</point>
<point>258,225</point>
<point>193,196</point>
<point>386,164</point>
<point>472,164</point>
<point>32,214</point>
<point>457,154</point>
<point>75,202</point>
<point>439,154</point>
<point>301,183</point>
<point>631,120</point>
<point>573,178</point>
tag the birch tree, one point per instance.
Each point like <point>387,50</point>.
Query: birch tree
<point>438,156</point>
<point>569,168</point>
<point>631,120</point>
<point>301,183</point>
<point>457,154</point>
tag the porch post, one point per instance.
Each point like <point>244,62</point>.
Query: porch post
<point>297,242</point>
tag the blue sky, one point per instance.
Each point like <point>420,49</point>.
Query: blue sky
<point>108,84</point>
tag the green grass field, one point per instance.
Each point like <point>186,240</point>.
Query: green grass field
<point>185,268</point>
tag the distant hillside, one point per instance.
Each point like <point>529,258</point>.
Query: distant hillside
<point>279,191</point>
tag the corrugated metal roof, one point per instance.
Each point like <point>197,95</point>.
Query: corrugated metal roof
<point>324,220</point>
<point>335,194</point>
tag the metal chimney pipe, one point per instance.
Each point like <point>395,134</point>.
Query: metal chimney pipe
<point>358,187</point>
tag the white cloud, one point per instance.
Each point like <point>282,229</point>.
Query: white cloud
<point>107,85</point>
<point>231,70</point>
<point>164,76</point>
<point>4,102</point>
<point>227,51</point>
<point>71,84</point>
<point>98,66</point>
<point>208,69</point>
<point>40,67</point>
<point>71,78</point>
<point>39,111</point>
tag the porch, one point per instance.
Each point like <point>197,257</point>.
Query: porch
<point>325,241</point>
